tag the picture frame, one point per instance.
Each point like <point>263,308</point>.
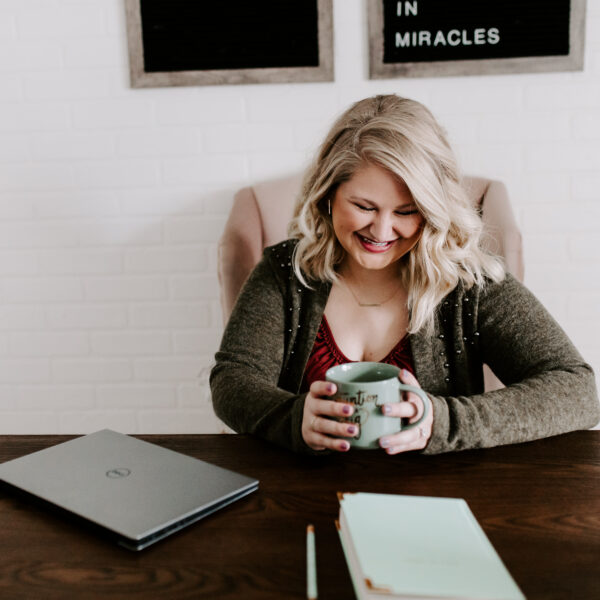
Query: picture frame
<point>424,61</point>
<point>164,47</point>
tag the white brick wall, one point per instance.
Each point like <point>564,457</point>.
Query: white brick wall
<point>112,201</point>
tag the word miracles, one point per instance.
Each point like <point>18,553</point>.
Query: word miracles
<point>454,37</point>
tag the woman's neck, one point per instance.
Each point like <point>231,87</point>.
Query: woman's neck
<point>372,288</point>
<point>370,278</point>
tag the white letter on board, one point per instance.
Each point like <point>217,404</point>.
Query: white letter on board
<point>454,37</point>
<point>439,39</point>
<point>402,39</point>
<point>410,8</point>
<point>424,38</point>
<point>493,35</point>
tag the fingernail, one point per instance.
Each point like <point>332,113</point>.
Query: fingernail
<point>352,429</point>
<point>330,388</point>
<point>384,443</point>
<point>387,410</point>
<point>404,372</point>
<point>345,446</point>
<point>347,409</point>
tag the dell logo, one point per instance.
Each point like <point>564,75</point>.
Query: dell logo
<point>118,473</point>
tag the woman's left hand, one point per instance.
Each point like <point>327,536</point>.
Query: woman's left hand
<point>415,438</point>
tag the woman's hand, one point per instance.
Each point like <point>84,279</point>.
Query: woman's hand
<point>409,439</point>
<point>320,432</point>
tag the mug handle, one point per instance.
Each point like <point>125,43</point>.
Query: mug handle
<point>404,387</point>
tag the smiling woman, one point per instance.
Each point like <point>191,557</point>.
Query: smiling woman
<point>384,264</point>
<point>375,219</point>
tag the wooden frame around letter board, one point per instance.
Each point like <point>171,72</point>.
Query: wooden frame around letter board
<point>140,78</point>
<point>538,64</point>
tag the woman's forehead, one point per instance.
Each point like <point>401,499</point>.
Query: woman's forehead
<point>371,182</point>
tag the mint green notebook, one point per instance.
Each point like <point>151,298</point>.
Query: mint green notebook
<point>419,547</point>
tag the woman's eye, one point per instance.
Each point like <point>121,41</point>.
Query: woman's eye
<point>404,213</point>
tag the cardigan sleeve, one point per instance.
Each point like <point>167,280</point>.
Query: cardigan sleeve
<point>549,388</point>
<point>244,380</point>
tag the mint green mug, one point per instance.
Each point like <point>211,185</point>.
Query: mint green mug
<point>368,386</point>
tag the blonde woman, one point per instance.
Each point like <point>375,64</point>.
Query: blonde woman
<point>384,264</point>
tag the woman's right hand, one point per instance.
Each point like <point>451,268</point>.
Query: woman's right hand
<point>320,432</point>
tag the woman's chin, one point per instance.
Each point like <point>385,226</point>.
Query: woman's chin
<point>375,262</point>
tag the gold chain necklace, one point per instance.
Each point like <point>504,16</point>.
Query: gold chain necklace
<point>371,304</point>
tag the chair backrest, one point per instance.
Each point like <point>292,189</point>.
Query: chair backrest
<point>260,215</point>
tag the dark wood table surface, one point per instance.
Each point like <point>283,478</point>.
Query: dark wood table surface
<point>539,504</point>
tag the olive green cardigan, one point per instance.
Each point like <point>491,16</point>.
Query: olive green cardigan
<point>549,389</point>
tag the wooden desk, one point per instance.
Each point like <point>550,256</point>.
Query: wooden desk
<point>539,504</point>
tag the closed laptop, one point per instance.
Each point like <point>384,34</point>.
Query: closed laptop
<point>136,491</point>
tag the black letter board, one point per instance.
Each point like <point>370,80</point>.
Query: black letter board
<point>462,37</point>
<point>194,42</point>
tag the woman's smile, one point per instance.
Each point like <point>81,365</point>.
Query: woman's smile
<point>373,246</point>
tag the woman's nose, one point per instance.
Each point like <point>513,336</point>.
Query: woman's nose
<point>381,229</point>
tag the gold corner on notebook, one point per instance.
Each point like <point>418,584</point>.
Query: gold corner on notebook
<point>337,525</point>
<point>342,495</point>
<point>377,588</point>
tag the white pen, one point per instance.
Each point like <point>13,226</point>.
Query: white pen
<point>311,564</point>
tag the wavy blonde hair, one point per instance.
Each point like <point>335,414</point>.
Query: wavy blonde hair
<point>402,136</point>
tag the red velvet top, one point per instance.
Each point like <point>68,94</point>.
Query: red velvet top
<point>326,354</point>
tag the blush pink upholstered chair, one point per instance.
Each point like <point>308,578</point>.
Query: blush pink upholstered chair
<point>260,215</point>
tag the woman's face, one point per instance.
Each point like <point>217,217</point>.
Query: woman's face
<point>375,219</point>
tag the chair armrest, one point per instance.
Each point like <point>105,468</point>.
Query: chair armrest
<point>239,249</point>
<point>503,236</point>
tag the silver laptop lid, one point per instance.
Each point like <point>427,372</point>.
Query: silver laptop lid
<point>131,487</point>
